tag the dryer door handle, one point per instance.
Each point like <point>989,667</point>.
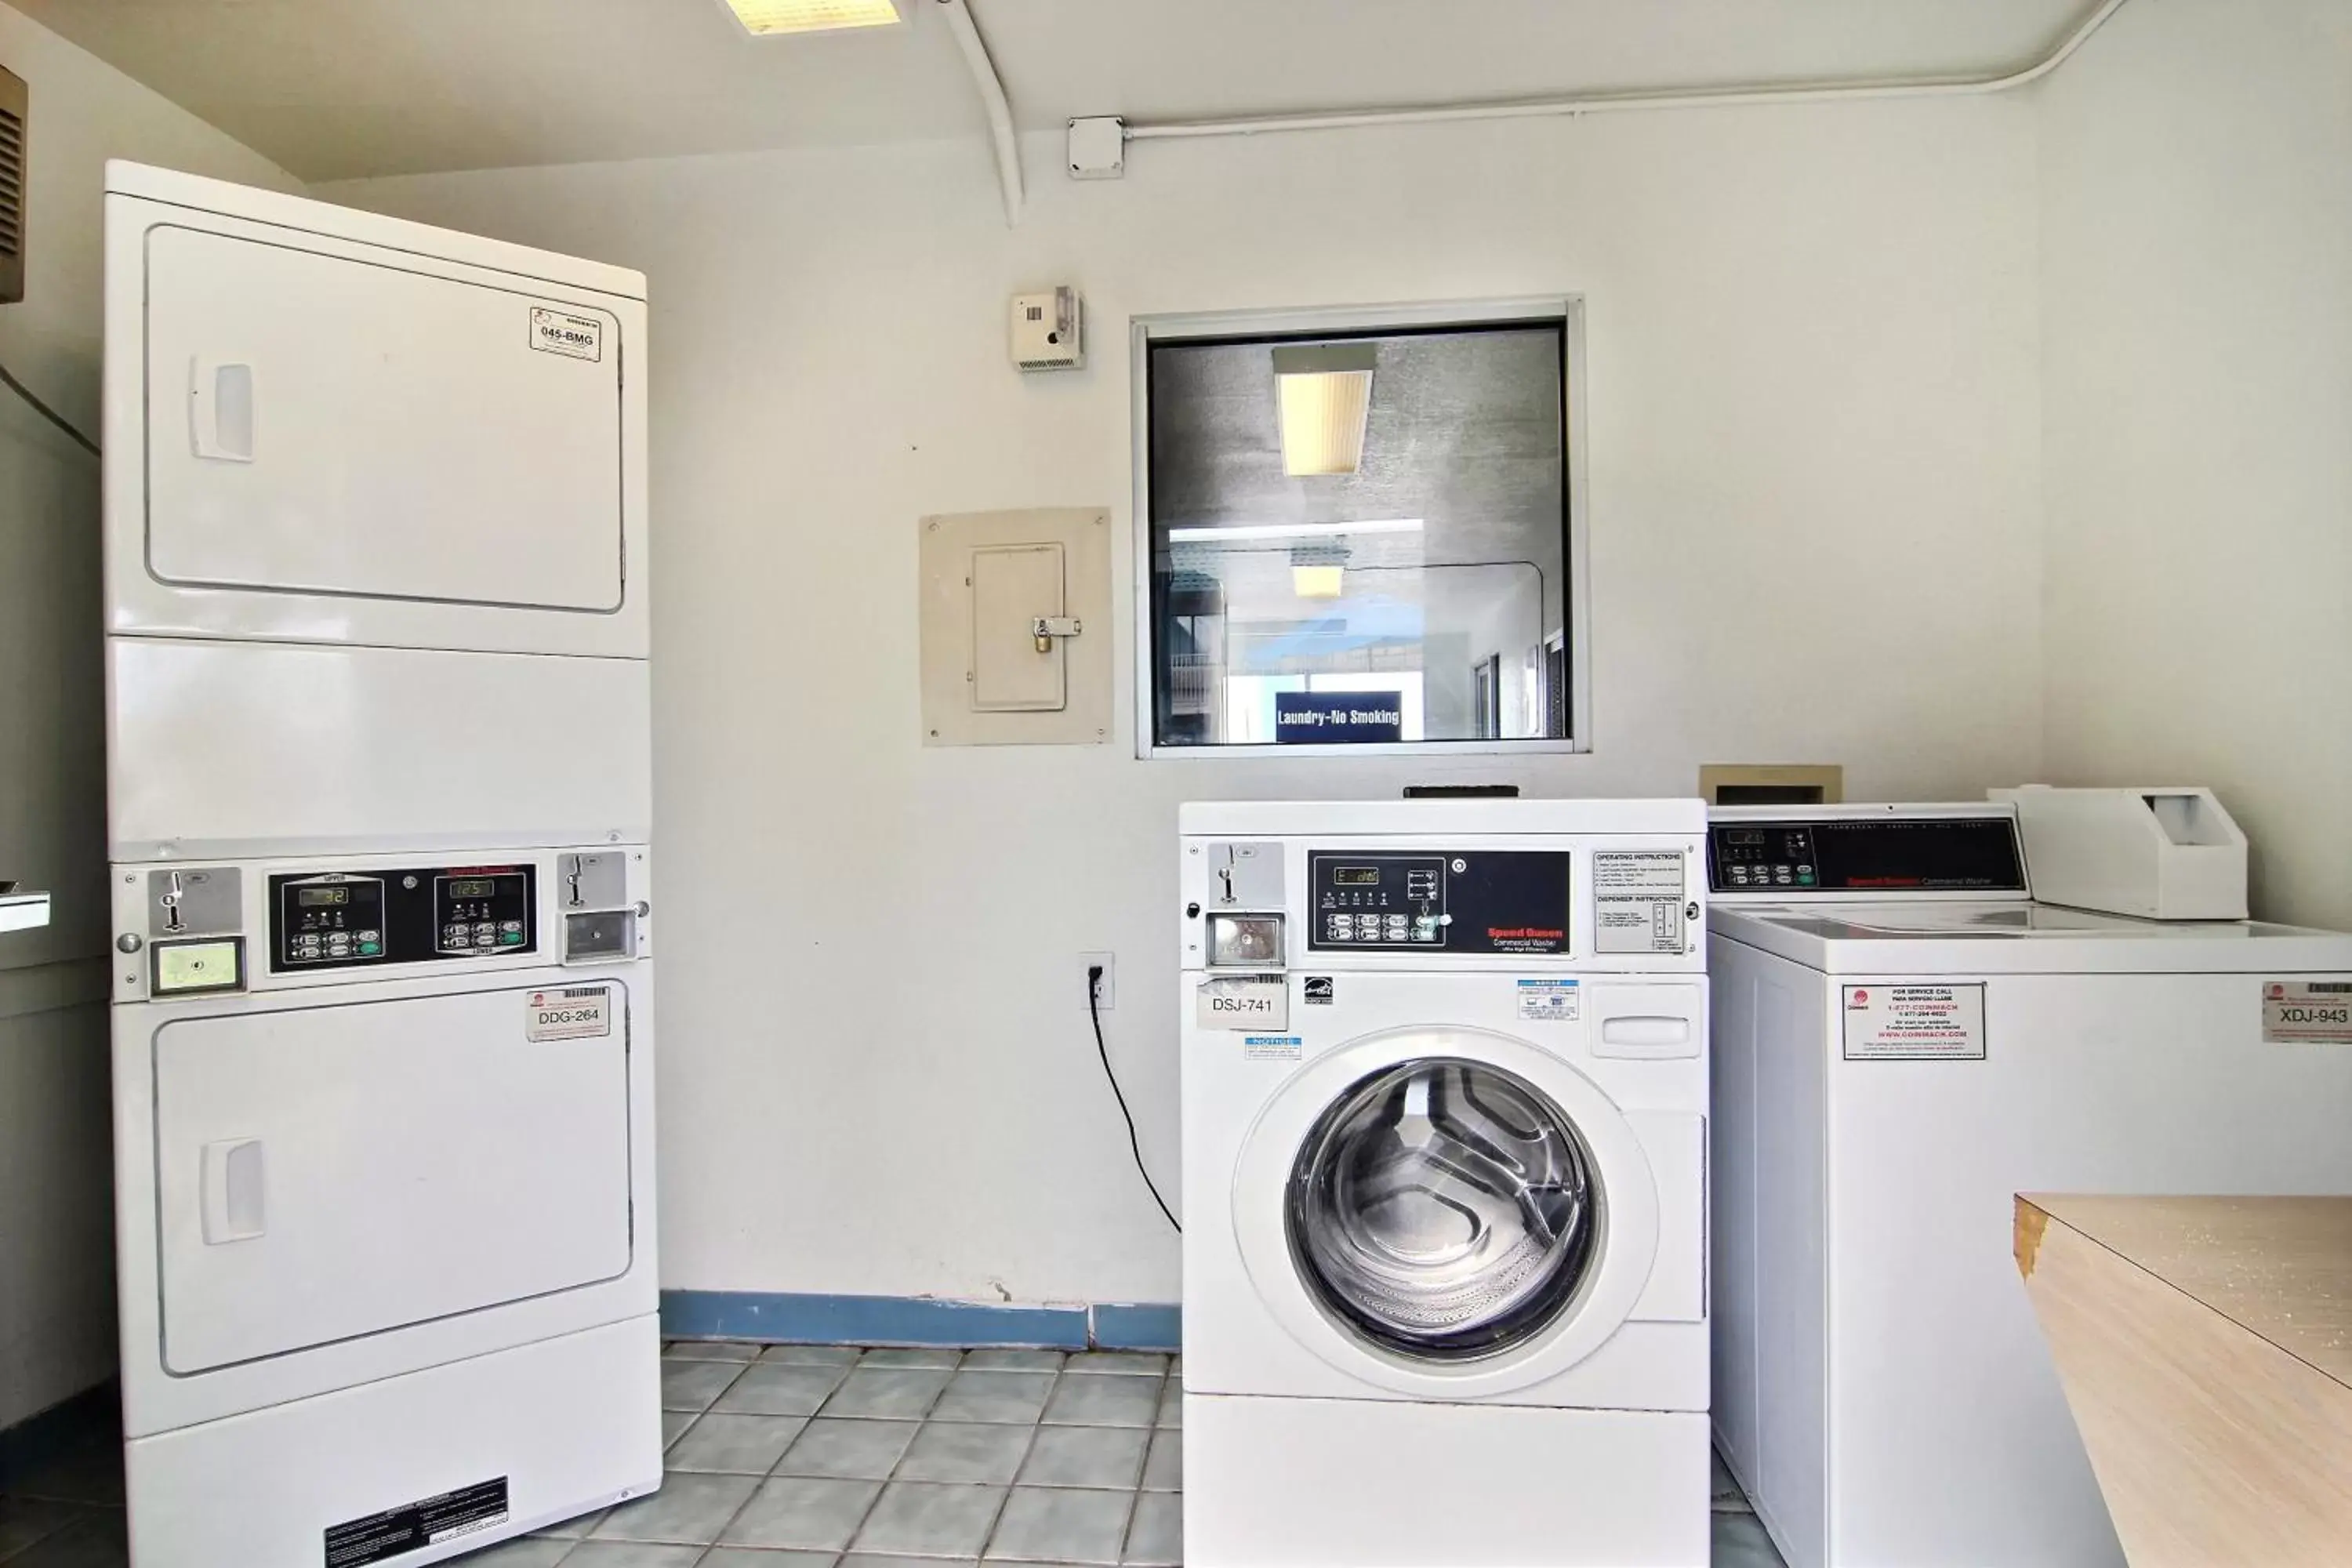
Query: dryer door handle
<point>233,1191</point>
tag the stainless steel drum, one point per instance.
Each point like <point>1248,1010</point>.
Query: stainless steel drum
<point>1444,1209</point>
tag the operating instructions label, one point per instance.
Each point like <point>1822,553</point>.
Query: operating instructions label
<point>2309,1012</point>
<point>1915,1023</point>
<point>428,1521</point>
<point>1637,900</point>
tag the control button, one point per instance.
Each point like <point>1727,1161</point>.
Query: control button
<point>486,927</point>
<point>1804,870</point>
<point>510,926</point>
<point>1343,933</point>
<point>1739,873</point>
<point>1424,935</point>
<point>1804,878</point>
<point>453,933</point>
<point>509,939</point>
<point>369,949</point>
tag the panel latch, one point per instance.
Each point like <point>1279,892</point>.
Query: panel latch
<point>1046,628</point>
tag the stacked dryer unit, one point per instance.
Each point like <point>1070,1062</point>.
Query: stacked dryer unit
<point>380,807</point>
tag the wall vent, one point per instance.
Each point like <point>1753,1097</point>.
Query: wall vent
<point>11,186</point>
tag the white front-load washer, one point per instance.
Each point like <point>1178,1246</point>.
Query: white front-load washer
<point>1904,1039</point>
<point>1444,1097</point>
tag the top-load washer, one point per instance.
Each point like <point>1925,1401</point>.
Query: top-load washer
<point>375,532</point>
<point>1444,1097</point>
<point>1903,1039</point>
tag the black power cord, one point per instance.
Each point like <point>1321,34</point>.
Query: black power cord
<point>48,412</point>
<point>1093,1011</point>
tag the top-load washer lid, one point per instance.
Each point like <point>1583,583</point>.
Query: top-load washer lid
<point>1946,923</point>
<point>1443,1208</point>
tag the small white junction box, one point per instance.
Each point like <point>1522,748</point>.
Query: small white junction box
<point>1049,330</point>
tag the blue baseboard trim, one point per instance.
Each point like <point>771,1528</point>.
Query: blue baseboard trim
<point>1139,1326</point>
<point>789,1318</point>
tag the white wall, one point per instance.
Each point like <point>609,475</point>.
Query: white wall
<point>56,1273</point>
<point>1814,415</point>
<point>2197,294</point>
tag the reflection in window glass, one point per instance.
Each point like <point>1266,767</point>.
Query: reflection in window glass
<point>1359,540</point>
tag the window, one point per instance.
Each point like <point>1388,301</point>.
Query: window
<point>1359,533</point>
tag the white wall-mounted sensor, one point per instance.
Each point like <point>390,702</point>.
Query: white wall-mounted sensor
<point>1049,330</point>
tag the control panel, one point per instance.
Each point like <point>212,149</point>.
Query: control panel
<point>1796,856</point>
<point>328,918</point>
<point>482,911</point>
<point>1779,855</point>
<point>1474,901</point>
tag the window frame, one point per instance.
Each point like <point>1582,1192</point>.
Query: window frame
<point>1565,309</point>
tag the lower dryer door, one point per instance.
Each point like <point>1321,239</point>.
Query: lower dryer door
<point>329,1171</point>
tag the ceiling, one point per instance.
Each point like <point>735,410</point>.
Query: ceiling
<point>346,88</point>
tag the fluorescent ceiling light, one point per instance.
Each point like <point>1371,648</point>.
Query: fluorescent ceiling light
<point>1318,582</point>
<point>770,19</point>
<point>1242,531</point>
<point>1326,395</point>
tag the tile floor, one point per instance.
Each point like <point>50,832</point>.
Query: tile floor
<point>832,1457</point>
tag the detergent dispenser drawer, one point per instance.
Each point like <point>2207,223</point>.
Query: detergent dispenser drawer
<point>324,1172</point>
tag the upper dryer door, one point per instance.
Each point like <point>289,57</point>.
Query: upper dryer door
<point>342,442</point>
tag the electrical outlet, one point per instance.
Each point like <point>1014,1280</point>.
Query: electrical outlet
<point>1106,988</point>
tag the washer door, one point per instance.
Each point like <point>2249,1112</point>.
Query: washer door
<point>1445,1210</point>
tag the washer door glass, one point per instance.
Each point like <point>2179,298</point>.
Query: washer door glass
<point>1442,1209</point>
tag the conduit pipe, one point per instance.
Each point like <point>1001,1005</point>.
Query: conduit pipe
<point>993,99</point>
<point>1602,103</point>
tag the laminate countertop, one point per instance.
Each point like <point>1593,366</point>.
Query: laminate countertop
<point>2205,1344</point>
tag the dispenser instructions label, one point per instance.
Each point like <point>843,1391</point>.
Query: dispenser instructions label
<point>562,332</point>
<point>1915,1023</point>
<point>1243,1002</point>
<point>1637,900</point>
<point>571,1013</point>
<point>1551,1001</point>
<point>412,1527</point>
<point>2311,1012</point>
<point>1271,1048</point>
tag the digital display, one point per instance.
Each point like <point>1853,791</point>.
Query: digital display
<point>1355,876</point>
<point>321,897</point>
<point>473,888</point>
<point>1743,836</point>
